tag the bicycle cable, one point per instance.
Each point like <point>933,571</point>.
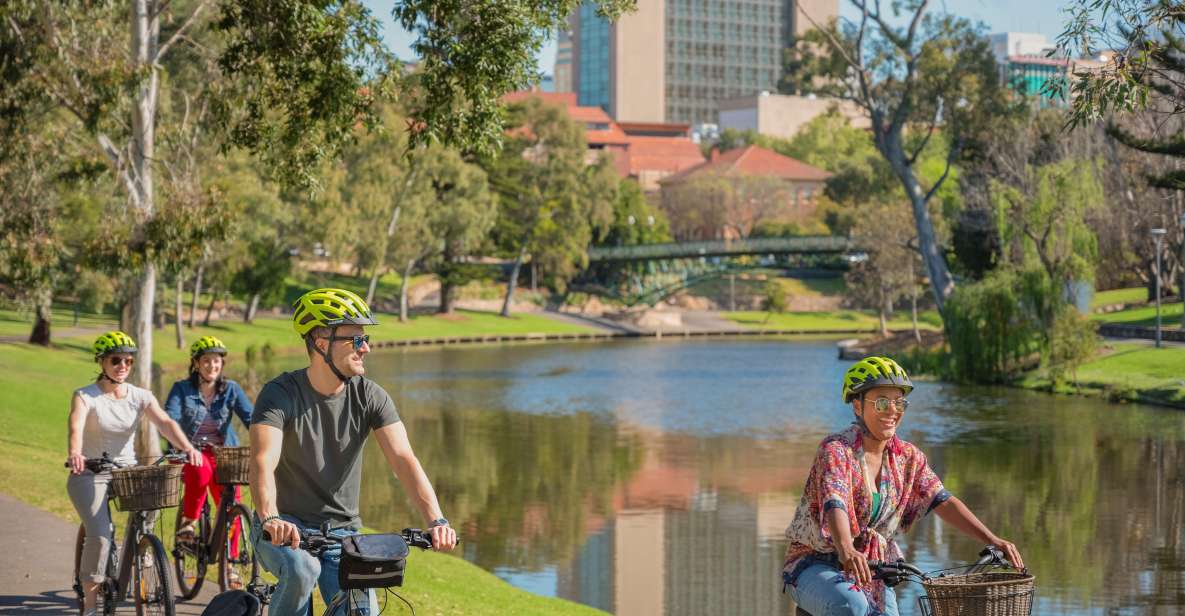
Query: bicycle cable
<point>398,596</point>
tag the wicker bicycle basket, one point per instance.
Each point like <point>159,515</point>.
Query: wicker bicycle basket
<point>145,488</point>
<point>231,465</point>
<point>997,593</point>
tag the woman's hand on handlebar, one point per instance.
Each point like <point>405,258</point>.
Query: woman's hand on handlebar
<point>193,456</point>
<point>444,538</point>
<point>854,564</point>
<point>282,532</point>
<point>1010,552</point>
<point>76,462</point>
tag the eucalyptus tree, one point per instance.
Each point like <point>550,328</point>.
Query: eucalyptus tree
<point>934,70</point>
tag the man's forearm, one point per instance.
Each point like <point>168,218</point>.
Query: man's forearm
<point>412,474</point>
<point>263,490</point>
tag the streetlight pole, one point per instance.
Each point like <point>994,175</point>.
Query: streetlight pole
<point>1158,235</point>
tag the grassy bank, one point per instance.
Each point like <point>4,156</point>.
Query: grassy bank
<point>37,383</point>
<point>1125,372</point>
<point>831,319</point>
<point>1145,316</point>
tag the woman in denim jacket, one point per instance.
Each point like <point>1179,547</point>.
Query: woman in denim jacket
<point>203,405</point>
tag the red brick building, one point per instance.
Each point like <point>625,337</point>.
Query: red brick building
<point>728,195</point>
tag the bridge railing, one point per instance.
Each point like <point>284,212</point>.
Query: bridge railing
<point>722,248</point>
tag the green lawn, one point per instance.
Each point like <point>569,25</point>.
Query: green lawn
<point>1130,371</point>
<point>37,383</point>
<point>1119,296</point>
<point>1170,316</point>
<point>833,319</point>
<point>753,283</point>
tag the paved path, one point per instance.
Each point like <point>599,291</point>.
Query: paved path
<point>39,561</point>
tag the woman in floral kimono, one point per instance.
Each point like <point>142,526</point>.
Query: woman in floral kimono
<point>865,486</point>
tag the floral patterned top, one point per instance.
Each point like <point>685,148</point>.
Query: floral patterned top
<point>909,490</point>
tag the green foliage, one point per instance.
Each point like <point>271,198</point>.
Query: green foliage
<point>1047,219</point>
<point>301,74</point>
<point>1073,341</point>
<point>94,290</point>
<point>992,327</point>
<point>551,204</point>
<point>635,219</point>
<point>472,53</point>
<point>774,300</point>
<point>1145,38</point>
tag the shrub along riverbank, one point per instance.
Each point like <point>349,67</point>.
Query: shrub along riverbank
<point>37,383</point>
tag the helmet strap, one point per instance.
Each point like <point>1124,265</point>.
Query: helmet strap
<point>327,355</point>
<point>103,375</point>
<point>864,431</point>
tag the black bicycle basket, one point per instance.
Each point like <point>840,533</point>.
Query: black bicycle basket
<point>372,561</point>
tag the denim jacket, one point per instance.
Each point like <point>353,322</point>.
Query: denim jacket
<point>186,406</point>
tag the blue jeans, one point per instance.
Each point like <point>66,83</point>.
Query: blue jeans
<point>297,572</point>
<point>823,590</point>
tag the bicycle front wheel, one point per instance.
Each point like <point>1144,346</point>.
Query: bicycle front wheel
<point>236,564</point>
<point>150,573</point>
<point>189,557</point>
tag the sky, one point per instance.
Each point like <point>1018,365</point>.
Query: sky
<point>1040,16</point>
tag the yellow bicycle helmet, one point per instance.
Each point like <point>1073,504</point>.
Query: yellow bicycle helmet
<point>329,308</point>
<point>206,344</point>
<point>114,342</point>
<point>874,372</point>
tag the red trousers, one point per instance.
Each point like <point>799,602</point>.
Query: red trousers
<point>198,481</point>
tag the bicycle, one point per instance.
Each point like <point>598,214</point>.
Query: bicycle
<point>145,577</point>
<point>217,542</point>
<point>317,542</point>
<point>976,590</point>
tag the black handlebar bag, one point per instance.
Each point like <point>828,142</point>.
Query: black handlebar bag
<point>372,561</point>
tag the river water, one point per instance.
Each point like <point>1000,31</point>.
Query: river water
<point>657,477</point>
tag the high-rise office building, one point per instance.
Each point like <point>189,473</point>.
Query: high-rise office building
<point>563,63</point>
<point>673,60</point>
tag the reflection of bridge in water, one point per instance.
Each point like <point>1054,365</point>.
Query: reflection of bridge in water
<point>649,273</point>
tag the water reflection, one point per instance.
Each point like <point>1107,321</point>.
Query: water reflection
<point>656,478</point>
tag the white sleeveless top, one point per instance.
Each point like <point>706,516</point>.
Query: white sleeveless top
<point>111,422</point>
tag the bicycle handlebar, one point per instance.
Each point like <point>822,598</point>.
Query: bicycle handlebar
<point>106,463</point>
<point>316,542</point>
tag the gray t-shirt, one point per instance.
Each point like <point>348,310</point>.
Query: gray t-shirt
<point>320,471</point>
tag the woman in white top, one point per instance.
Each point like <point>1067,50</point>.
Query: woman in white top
<point>103,419</point>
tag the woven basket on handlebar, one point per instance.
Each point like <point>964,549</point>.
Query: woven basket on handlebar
<point>145,488</point>
<point>231,464</point>
<point>997,593</point>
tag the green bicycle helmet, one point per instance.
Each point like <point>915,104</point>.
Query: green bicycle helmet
<point>114,342</point>
<point>206,344</point>
<point>329,308</point>
<point>874,372</point>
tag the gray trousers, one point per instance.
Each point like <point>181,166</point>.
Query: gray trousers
<point>88,492</point>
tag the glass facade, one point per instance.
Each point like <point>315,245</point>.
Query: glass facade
<point>593,41</point>
<point>719,49</point>
<point>1030,79</point>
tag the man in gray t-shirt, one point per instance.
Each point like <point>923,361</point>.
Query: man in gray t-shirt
<point>307,436</point>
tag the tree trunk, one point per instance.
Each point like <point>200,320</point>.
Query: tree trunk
<point>177,312</point>
<point>143,309</point>
<point>913,302</point>
<point>534,279</point>
<point>403,290</point>
<point>252,306</point>
<point>210,308</point>
<point>40,334</point>
<point>446,284</point>
<point>518,266</point>
<point>941,282</point>
<point>197,291</point>
<point>378,266</point>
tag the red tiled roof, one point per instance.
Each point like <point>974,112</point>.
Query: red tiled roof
<point>755,161</point>
<point>671,154</point>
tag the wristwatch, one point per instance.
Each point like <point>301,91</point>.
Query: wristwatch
<point>438,522</point>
